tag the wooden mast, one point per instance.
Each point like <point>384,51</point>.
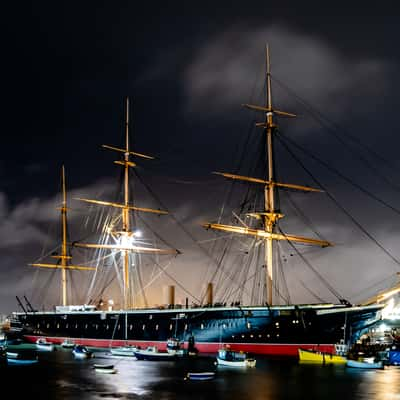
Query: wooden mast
<point>64,241</point>
<point>125,210</point>
<point>126,236</point>
<point>64,257</point>
<point>270,216</point>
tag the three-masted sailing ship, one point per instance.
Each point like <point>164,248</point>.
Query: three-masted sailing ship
<point>264,329</point>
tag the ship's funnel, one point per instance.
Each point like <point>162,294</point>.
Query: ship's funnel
<point>209,294</point>
<point>170,296</point>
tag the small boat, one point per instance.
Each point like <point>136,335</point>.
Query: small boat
<point>22,361</point>
<point>12,354</point>
<point>81,352</point>
<point>174,347</point>
<point>319,357</point>
<point>230,358</point>
<point>105,368</point>
<point>126,351</point>
<point>200,376</point>
<point>151,353</point>
<point>394,357</point>
<point>43,344</point>
<point>364,364</point>
<point>67,344</point>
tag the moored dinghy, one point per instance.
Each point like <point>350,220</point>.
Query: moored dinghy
<point>82,352</point>
<point>43,344</point>
<point>18,359</point>
<point>105,368</point>
<point>22,361</point>
<point>200,376</point>
<point>67,344</point>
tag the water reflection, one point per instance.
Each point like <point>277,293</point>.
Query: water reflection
<point>59,375</point>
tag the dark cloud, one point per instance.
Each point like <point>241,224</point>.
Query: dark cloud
<point>188,69</point>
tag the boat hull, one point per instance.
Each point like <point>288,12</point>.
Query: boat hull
<point>200,376</point>
<point>364,365</point>
<point>316,357</point>
<point>279,331</point>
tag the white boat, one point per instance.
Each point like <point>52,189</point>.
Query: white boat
<point>364,364</point>
<point>126,351</point>
<point>81,352</point>
<point>174,347</point>
<point>105,368</point>
<point>43,344</point>
<point>151,353</point>
<point>230,358</point>
<point>200,376</point>
<point>67,344</point>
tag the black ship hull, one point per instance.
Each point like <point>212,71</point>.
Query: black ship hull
<point>278,330</point>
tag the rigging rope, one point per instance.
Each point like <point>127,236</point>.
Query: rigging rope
<point>347,213</point>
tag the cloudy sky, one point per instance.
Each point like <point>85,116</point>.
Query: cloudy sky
<point>67,67</point>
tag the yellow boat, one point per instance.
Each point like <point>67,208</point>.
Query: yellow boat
<point>318,357</point>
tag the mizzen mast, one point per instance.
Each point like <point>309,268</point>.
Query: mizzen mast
<point>63,257</point>
<point>125,238</point>
<point>270,215</point>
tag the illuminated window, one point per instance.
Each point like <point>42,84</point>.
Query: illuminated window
<point>130,327</point>
<point>144,327</point>
<point>157,327</point>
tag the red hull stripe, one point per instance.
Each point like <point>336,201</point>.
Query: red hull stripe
<point>275,349</point>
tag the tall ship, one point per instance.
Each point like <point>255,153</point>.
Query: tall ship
<point>262,327</point>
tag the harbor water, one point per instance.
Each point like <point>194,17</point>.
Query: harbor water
<point>59,376</point>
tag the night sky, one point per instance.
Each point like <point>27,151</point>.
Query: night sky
<point>187,68</point>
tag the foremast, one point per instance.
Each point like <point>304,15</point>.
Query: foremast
<point>270,215</point>
<point>64,258</point>
<point>126,236</point>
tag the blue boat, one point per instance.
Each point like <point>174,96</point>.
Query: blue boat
<point>22,361</point>
<point>200,376</point>
<point>81,352</point>
<point>394,357</point>
<point>364,364</point>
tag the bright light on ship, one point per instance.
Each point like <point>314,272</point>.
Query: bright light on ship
<point>126,240</point>
<point>138,234</point>
<point>383,328</point>
<point>391,311</point>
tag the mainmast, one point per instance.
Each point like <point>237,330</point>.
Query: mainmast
<point>125,237</point>
<point>63,257</point>
<point>269,215</point>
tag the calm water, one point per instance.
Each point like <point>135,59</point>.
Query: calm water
<point>60,376</point>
